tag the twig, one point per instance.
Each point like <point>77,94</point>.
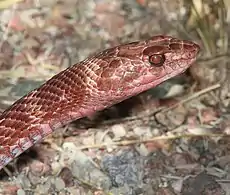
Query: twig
<point>163,109</point>
<point>8,172</point>
<point>138,141</point>
<point>193,96</point>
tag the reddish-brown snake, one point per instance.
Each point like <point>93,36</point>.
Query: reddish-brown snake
<point>97,82</point>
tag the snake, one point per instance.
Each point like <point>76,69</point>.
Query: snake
<point>98,82</point>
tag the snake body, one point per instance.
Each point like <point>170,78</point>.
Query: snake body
<point>99,81</point>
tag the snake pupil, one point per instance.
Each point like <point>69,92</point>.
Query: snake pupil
<point>157,59</point>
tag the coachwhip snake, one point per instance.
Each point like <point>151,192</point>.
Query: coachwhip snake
<point>98,82</point>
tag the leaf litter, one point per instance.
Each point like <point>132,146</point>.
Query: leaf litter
<point>163,141</point>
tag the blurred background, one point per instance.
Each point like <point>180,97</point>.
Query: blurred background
<point>172,139</point>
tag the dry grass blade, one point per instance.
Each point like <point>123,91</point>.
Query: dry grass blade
<point>7,3</point>
<point>210,24</point>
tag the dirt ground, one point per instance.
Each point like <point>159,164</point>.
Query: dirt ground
<point>170,140</point>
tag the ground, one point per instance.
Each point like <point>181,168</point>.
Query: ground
<point>172,139</point>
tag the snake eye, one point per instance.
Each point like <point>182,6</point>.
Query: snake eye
<point>157,59</point>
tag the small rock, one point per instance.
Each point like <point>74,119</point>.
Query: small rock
<point>118,131</point>
<point>59,184</point>
<point>21,192</point>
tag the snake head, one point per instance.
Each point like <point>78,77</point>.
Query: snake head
<point>129,69</point>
